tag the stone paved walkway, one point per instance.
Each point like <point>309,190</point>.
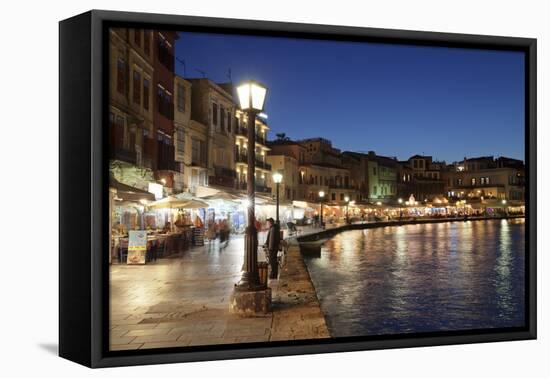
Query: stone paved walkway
<point>184,301</point>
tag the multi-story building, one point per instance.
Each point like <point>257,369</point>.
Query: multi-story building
<point>163,85</point>
<point>262,165</point>
<point>486,177</point>
<point>131,115</point>
<point>421,177</point>
<point>382,178</point>
<point>286,156</point>
<point>333,180</point>
<point>288,166</point>
<point>213,108</point>
<point>357,165</point>
<point>182,133</point>
<point>320,150</point>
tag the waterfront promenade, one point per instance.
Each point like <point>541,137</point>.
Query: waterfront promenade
<point>184,301</point>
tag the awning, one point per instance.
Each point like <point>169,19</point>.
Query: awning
<point>129,193</point>
<point>173,202</point>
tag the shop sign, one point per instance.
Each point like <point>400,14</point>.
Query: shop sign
<point>137,247</point>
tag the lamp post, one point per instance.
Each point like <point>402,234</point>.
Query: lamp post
<point>346,198</point>
<point>251,98</point>
<point>321,198</point>
<point>277,179</point>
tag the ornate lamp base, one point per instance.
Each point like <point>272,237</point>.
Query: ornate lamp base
<point>250,303</point>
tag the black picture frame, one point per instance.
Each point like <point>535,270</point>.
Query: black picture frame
<point>83,273</point>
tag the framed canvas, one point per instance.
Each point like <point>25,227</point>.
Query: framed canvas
<point>235,188</point>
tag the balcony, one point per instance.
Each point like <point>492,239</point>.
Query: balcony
<point>260,188</point>
<point>263,165</point>
<point>168,165</point>
<point>241,158</point>
<point>223,177</point>
<point>124,155</point>
<point>243,131</point>
<point>224,172</point>
<point>198,163</point>
<point>336,186</point>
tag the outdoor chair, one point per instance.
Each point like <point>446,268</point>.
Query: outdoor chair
<point>123,251</point>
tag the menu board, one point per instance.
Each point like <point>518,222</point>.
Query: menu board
<point>137,247</point>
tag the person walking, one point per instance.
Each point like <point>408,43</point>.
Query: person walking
<point>211,233</point>
<point>272,246</point>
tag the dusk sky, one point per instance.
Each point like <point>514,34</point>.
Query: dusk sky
<point>396,100</point>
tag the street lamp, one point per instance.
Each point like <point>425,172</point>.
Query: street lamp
<point>277,178</point>
<point>321,198</point>
<point>346,198</point>
<point>251,98</point>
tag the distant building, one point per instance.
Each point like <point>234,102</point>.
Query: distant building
<point>286,156</point>
<point>422,177</point>
<point>502,178</point>
<point>382,178</point>
<point>288,166</point>
<point>262,166</point>
<point>358,166</point>
<point>320,150</point>
<point>213,109</point>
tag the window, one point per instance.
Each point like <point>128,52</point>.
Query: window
<point>333,196</point>
<point>164,102</point>
<point>164,54</point>
<point>459,182</point>
<point>195,151</point>
<point>137,87</point>
<point>228,121</point>
<point>214,114</point>
<point>181,98</point>
<point>137,36</point>
<point>341,196</point>
<point>222,118</point>
<point>146,94</point>
<point>374,171</point>
<point>147,42</point>
<point>482,180</point>
<point>121,76</point>
<point>473,181</point>
<point>180,141</point>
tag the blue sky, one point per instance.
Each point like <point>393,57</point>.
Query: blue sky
<point>396,100</point>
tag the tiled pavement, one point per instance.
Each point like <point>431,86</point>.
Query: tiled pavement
<point>184,301</point>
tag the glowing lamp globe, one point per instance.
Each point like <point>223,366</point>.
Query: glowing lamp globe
<point>277,178</point>
<point>251,96</point>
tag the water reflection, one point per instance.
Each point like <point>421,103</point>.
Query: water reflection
<point>421,278</point>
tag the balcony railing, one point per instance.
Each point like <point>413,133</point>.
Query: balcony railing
<point>260,188</point>
<point>241,158</point>
<point>224,172</point>
<point>244,132</point>
<point>262,164</point>
<point>124,155</point>
<point>336,186</point>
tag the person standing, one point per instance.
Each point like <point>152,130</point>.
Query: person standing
<point>272,246</point>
